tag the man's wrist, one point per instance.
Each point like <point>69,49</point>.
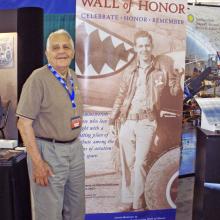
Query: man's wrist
<point>37,161</point>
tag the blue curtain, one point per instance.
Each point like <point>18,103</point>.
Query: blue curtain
<point>52,22</point>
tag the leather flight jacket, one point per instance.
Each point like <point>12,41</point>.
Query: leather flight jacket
<point>156,80</point>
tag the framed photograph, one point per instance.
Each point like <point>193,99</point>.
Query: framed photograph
<point>6,51</point>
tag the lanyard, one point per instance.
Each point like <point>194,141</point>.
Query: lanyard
<point>63,83</point>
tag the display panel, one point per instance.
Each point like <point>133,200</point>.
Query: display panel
<point>8,80</point>
<point>105,51</point>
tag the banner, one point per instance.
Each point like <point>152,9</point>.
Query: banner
<point>130,60</point>
<point>202,51</point>
<point>203,41</point>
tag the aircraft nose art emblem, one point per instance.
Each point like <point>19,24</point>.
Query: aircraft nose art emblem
<point>99,52</point>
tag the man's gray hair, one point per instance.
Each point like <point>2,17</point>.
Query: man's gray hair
<point>60,31</point>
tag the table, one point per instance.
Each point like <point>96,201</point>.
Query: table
<point>15,202</point>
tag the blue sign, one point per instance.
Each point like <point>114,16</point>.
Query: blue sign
<point>166,214</point>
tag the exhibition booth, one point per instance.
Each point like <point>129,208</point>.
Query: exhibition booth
<point>185,46</point>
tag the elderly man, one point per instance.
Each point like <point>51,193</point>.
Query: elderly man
<point>136,108</point>
<point>50,115</point>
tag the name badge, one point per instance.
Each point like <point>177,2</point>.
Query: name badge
<point>76,122</point>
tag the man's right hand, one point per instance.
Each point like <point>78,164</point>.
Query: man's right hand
<point>40,168</point>
<point>112,130</point>
<point>41,171</point>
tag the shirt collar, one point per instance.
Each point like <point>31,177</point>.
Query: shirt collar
<point>67,76</point>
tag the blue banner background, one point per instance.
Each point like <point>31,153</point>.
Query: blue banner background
<point>49,6</point>
<point>166,214</point>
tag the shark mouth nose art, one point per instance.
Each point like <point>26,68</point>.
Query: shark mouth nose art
<point>100,52</point>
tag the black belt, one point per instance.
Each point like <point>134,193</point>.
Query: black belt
<point>57,141</point>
